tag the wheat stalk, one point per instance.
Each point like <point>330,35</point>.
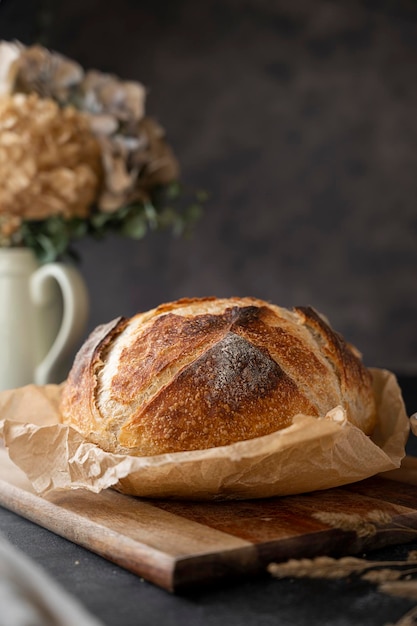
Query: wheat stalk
<point>392,577</point>
<point>364,526</point>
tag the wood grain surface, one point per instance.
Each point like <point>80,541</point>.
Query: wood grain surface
<point>178,545</point>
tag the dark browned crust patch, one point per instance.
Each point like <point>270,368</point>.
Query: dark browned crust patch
<point>211,398</point>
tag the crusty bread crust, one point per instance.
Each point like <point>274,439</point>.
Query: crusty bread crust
<point>206,372</point>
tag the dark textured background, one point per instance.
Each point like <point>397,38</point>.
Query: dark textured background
<point>300,119</point>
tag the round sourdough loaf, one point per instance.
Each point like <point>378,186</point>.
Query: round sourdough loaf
<point>207,372</point>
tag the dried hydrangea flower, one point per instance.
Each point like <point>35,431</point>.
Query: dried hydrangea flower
<point>135,156</point>
<point>49,74</point>
<point>49,159</point>
<point>73,143</point>
<point>134,164</point>
<point>105,93</point>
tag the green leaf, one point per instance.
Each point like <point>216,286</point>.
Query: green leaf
<point>151,215</point>
<point>167,207</point>
<point>134,227</point>
<point>98,220</point>
<point>46,250</point>
<point>174,191</point>
<point>78,228</point>
<point>201,196</point>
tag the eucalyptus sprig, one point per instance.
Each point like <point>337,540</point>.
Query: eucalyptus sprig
<point>168,208</point>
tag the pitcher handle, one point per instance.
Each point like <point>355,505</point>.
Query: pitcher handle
<point>74,317</point>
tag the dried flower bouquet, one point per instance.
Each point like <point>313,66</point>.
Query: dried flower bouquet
<point>79,156</point>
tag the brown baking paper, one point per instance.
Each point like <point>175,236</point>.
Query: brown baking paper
<point>311,454</point>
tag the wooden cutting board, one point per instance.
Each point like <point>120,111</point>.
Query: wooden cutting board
<point>177,545</point>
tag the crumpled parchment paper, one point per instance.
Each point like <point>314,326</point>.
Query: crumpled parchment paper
<point>311,454</point>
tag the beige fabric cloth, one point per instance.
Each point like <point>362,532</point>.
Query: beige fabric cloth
<point>29,597</point>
